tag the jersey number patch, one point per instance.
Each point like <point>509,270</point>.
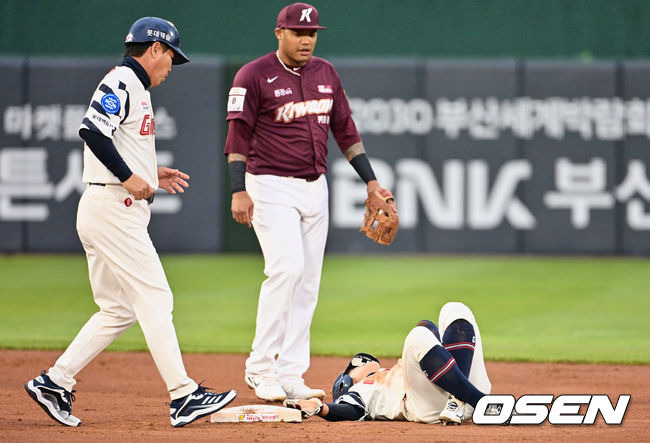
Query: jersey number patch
<point>148,126</point>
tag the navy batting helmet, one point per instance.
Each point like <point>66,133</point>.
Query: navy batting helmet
<point>154,29</point>
<point>344,382</point>
<point>342,385</point>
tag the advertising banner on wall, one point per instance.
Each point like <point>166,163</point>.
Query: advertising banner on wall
<point>41,152</point>
<point>489,156</point>
<point>504,156</point>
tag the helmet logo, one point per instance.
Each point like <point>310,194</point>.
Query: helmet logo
<point>305,14</point>
<point>158,34</point>
<point>128,38</point>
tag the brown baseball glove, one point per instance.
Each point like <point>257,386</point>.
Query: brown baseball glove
<point>381,221</point>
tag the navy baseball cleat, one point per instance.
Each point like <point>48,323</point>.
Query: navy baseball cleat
<point>54,399</point>
<point>198,404</point>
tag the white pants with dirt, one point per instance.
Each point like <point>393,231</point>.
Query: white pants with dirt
<point>424,400</point>
<point>290,219</point>
<point>128,284</point>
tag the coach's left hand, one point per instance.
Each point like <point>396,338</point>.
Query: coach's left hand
<point>172,180</point>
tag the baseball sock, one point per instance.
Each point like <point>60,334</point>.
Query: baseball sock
<point>441,369</point>
<point>459,340</point>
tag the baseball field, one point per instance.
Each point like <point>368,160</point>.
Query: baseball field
<point>558,325</point>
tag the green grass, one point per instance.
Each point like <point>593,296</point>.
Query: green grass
<point>528,308</point>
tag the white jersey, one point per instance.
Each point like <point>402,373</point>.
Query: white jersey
<point>121,110</point>
<point>382,393</point>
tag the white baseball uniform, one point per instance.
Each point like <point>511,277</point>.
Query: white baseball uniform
<point>126,275</point>
<point>404,392</point>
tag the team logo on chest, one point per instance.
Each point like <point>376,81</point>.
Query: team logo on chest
<point>292,110</point>
<point>148,126</point>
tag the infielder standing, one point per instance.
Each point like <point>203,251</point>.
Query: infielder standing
<point>280,109</point>
<point>126,275</point>
<point>440,377</point>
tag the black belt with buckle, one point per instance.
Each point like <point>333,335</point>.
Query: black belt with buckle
<point>148,199</point>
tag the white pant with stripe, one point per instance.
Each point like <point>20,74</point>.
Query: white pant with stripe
<point>425,400</point>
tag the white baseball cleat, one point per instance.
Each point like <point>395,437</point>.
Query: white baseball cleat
<point>266,388</point>
<point>454,412</point>
<point>297,390</point>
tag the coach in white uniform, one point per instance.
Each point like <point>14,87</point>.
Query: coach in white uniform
<point>126,275</point>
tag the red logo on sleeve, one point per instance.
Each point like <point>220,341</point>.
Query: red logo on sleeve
<point>128,202</point>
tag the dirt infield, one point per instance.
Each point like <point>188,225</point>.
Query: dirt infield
<point>120,397</point>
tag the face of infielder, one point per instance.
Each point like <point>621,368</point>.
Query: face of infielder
<point>161,63</point>
<point>296,46</point>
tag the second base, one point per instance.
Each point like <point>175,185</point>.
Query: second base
<point>256,413</point>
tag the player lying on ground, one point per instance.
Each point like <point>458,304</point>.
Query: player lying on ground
<point>436,380</point>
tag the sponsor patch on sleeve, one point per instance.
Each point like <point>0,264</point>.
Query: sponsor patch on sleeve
<point>236,98</point>
<point>110,103</point>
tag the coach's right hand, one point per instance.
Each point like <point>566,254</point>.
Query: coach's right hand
<point>242,208</point>
<point>137,187</point>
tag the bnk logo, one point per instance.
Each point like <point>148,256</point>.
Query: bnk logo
<point>532,409</point>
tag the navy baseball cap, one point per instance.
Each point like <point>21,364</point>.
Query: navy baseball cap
<point>299,16</point>
<point>154,29</point>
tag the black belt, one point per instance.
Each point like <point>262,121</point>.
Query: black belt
<point>309,178</point>
<point>148,199</point>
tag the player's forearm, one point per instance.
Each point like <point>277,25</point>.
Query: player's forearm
<point>237,158</point>
<point>356,155</point>
<point>104,149</point>
<point>354,150</point>
<point>237,172</point>
<point>340,412</point>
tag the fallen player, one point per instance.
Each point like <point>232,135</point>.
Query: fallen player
<point>440,377</point>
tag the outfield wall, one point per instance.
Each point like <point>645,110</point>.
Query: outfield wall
<point>489,156</point>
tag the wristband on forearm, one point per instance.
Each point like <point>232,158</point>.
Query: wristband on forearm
<point>361,164</point>
<point>237,171</point>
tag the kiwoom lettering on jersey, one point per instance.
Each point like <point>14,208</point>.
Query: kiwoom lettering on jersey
<point>532,409</point>
<point>291,111</point>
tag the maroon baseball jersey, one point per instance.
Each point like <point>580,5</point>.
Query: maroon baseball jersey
<point>290,112</point>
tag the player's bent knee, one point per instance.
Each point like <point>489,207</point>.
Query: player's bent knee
<point>431,326</point>
<point>420,340</point>
<point>453,311</point>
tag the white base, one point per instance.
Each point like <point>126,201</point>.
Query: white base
<point>256,413</point>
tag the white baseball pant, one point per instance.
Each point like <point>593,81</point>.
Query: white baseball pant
<point>290,219</point>
<point>424,400</point>
<point>128,284</point>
